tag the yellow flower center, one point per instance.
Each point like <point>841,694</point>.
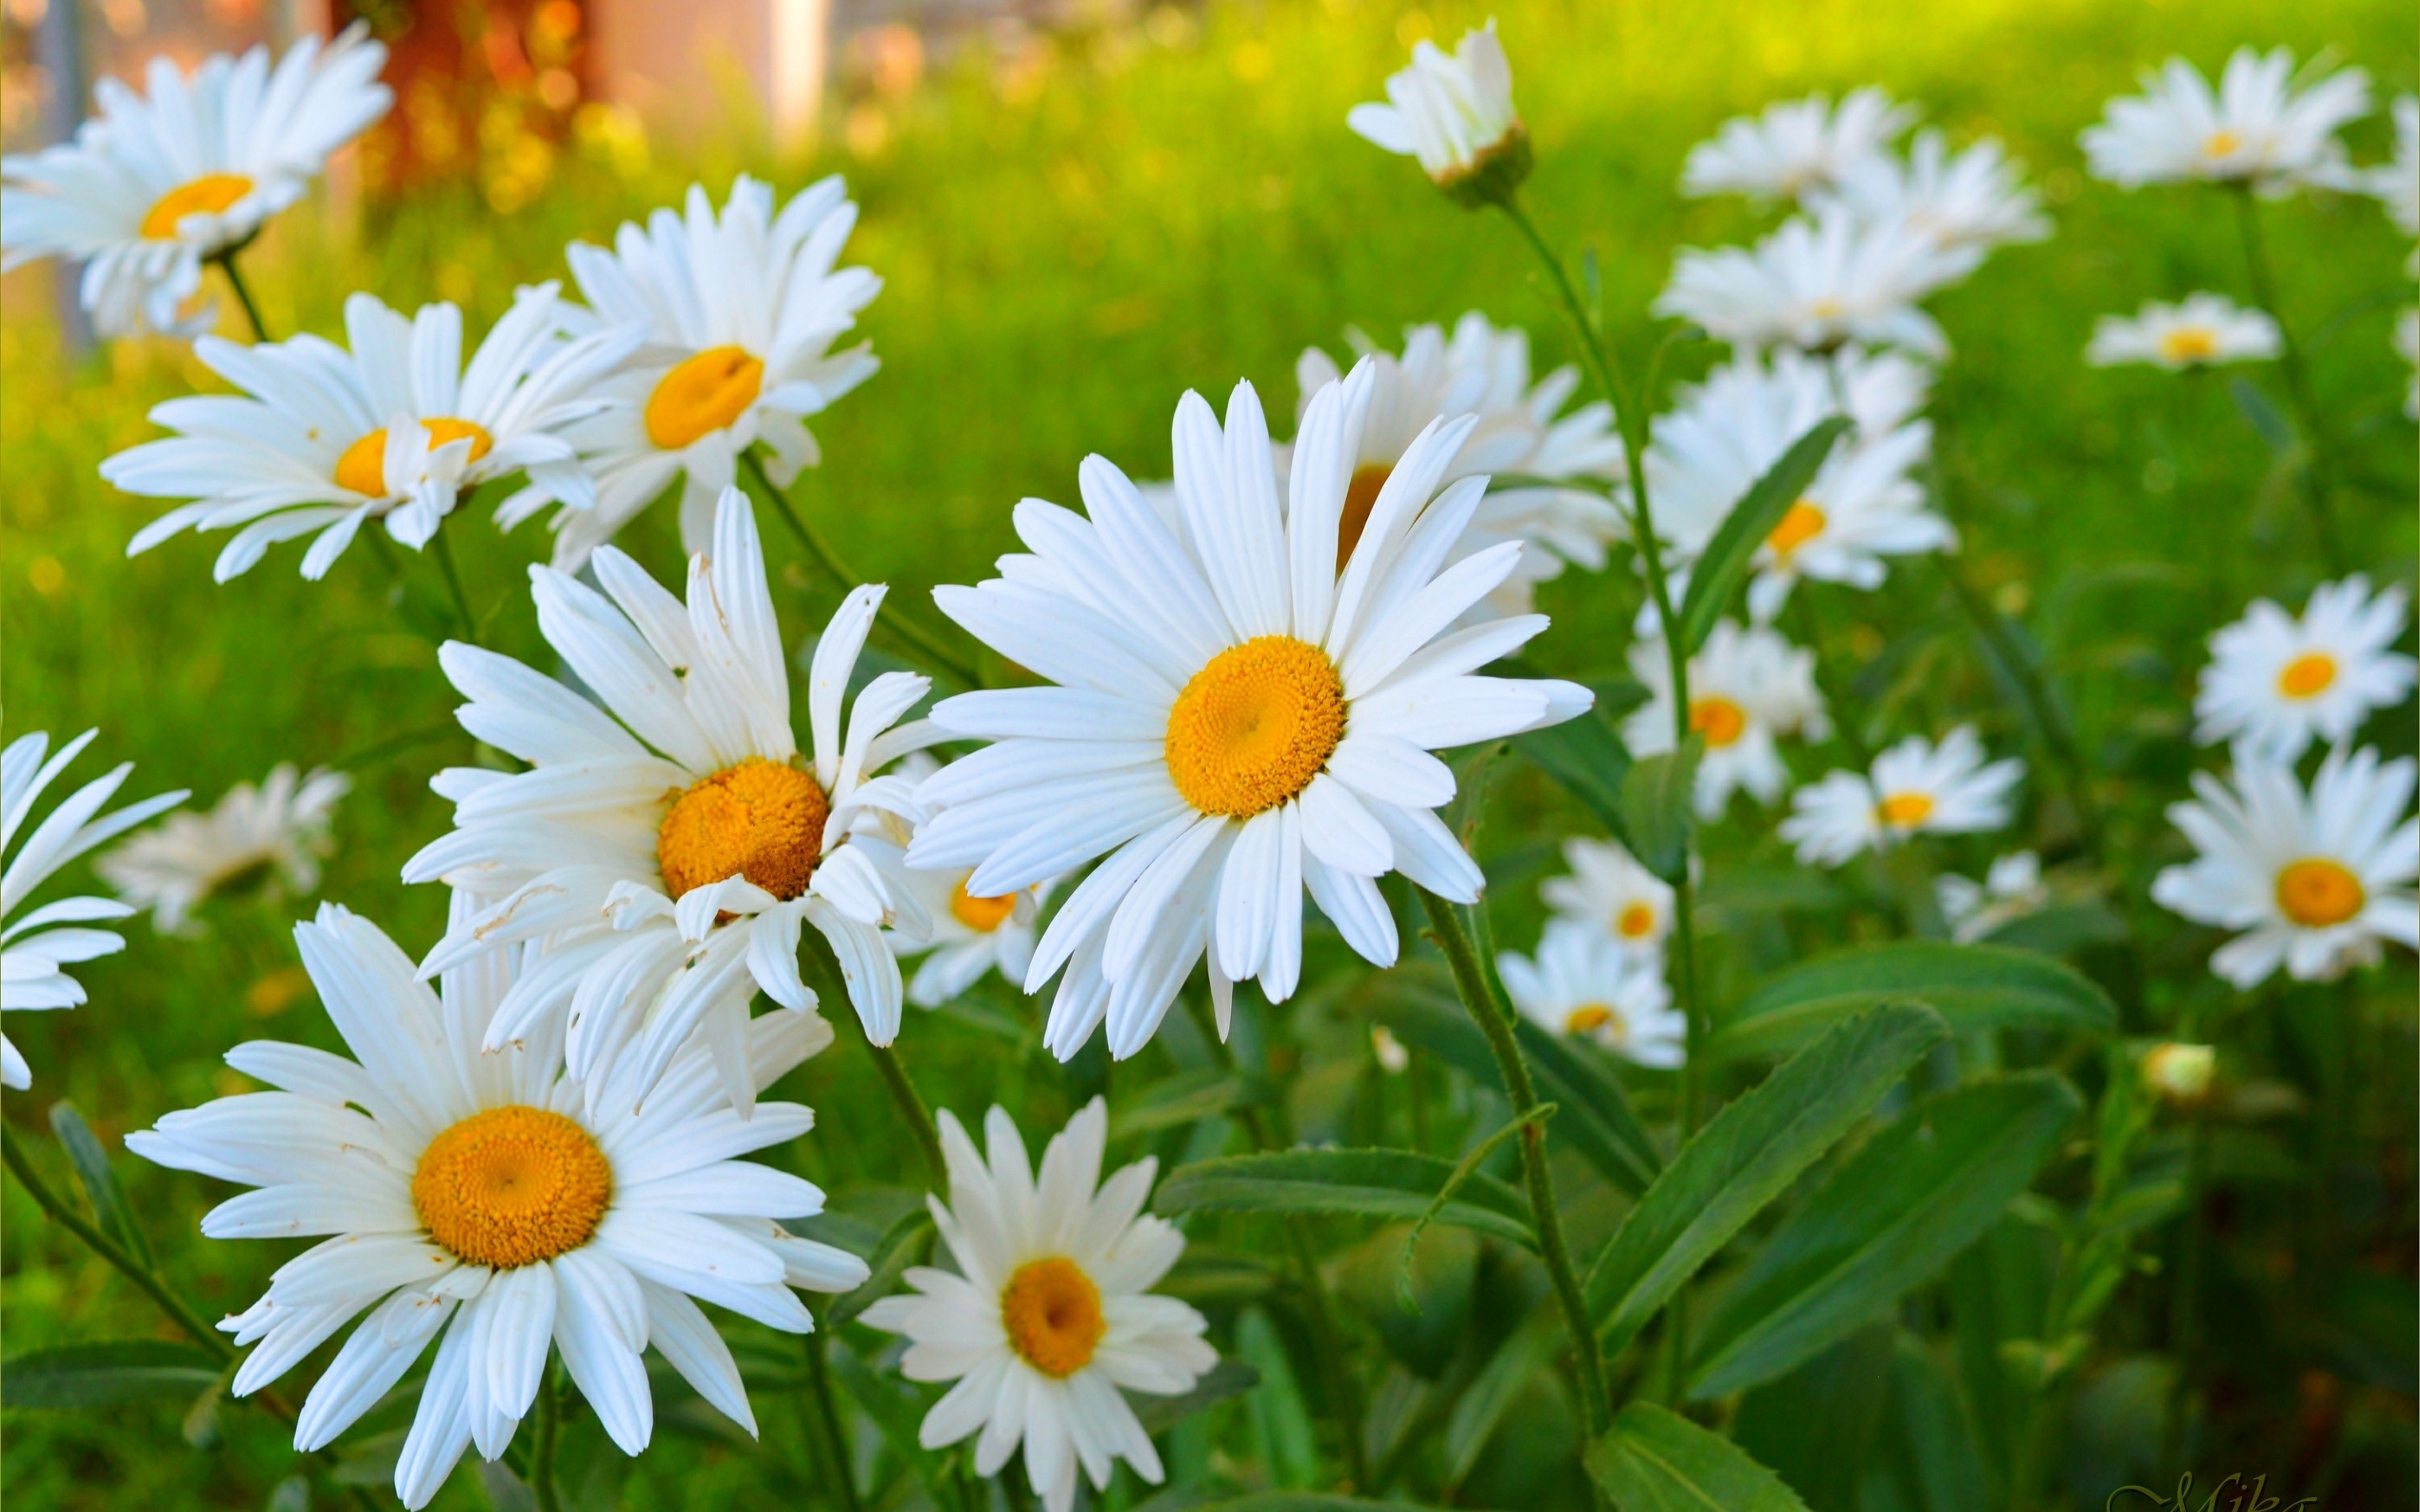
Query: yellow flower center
<point>363,468</point>
<point>1590,1017</point>
<point>2220,143</point>
<point>1255,726</point>
<point>1052,1312</point>
<point>206,195</point>
<point>762,820</point>
<point>1635,923</point>
<point>2315,892</point>
<point>702,395</point>
<point>2189,343</point>
<point>1361,496</point>
<point>982,915</point>
<point>1719,719</point>
<point>512,1186</point>
<point>1804,521</point>
<point>1905,810</point>
<point>2308,676</point>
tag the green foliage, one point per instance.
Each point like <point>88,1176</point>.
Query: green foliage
<point>1723,566</point>
<point>1655,1460</point>
<point>1370,1183</point>
<point>1973,987</point>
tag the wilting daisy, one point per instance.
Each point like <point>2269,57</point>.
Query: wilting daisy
<point>275,832</point>
<point>2012,889</point>
<point>1609,892</point>
<point>741,311</point>
<point>480,1187</point>
<point>2314,881</point>
<point>1049,1315</point>
<point>394,430</point>
<point>1915,788</point>
<point>2258,126</point>
<point>1484,371</point>
<point>1234,719</point>
<point>1747,688</point>
<point>668,845</point>
<point>1796,147</point>
<point>1968,203</point>
<point>2279,682</point>
<point>1455,114</point>
<point>2200,331</point>
<point>34,946</point>
<point>157,182</point>
<point>1816,283</point>
<point>1584,984</point>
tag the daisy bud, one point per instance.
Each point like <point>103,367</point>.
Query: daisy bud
<point>1392,1057</point>
<point>1455,114</point>
<point>2179,1074</point>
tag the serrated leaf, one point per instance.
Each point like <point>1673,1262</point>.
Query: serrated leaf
<point>1653,1460</point>
<point>96,1375</point>
<point>1228,1378</point>
<point>1658,806</point>
<point>1370,1183</point>
<point>903,1245</point>
<point>91,1165</point>
<point>1971,986</point>
<point>1723,565</point>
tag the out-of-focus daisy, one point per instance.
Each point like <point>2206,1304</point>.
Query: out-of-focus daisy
<point>1051,1314</point>
<point>275,832</point>
<point>1392,1057</point>
<point>1968,203</point>
<point>394,430</point>
<point>2396,182</point>
<point>480,1187</point>
<point>968,935</point>
<point>1234,719</point>
<point>1484,371</point>
<point>2314,881</point>
<point>2257,126</point>
<point>741,311</point>
<point>1747,688</point>
<point>668,859</point>
<point>1816,283</point>
<point>1915,788</point>
<point>1455,114</point>
<point>2012,889</point>
<point>1796,147</point>
<point>157,182</point>
<point>2279,682</point>
<point>35,944</point>
<point>1608,890</point>
<point>2200,331</point>
<point>1582,982</point>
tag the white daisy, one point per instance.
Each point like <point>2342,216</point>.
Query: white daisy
<point>2396,182</point>
<point>1455,114</point>
<point>2201,331</point>
<point>2258,127</point>
<point>1915,788</point>
<point>1747,688</point>
<point>1049,1315</point>
<point>2315,882</point>
<point>1795,146</point>
<point>1609,892</point>
<point>669,845</point>
<point>2012,889</point>
<point>276,832</point>
<point>395,430</point>
<point>482,1187</point>
<point>741,311</point>
<point>1583,983</point>
<point>969,934</point>
<point>157,182</point>
<point>34,946</point>
<point>1816,283</point>
<point>1968,203</point>
<point>1234,719</point>
<point>2280,683</point>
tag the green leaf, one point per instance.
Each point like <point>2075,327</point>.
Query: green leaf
<point>1745,1157</point>
<point>96,1375</point>
<point>1658,805</point>
<point>897,1408</point>
<point>1816,1428</point>
<point>1228,1378</point>
<point>1930,1439</point>
<point>1527,1350</point>
<point>1587,756</point>
<point>1653,1460</point>
<point>2062,929</point>
<point>1280,1422</point>
<point>1723,565</point>
<point>1998,1295</point>
<point>1888,1220</point>
<point>1188,1097</point>
<point>507,1491</point>
<point>1372,1184</point>
<point>293,1494</point>
<point>1971,986</point>
<point>1463,1171</point>
<point>99,1186</point>
<point>1293,1501</point>
<point>1209,1276</point>
<point>2261,415</point>
<point>904,1245</point>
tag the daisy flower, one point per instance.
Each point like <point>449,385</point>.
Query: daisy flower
<point>1049,1315</point>
<point>1233,719</point>
<point>1455,114</point>
<point>969,934</point>
<point>2280,683</point>
<point>34,946</point>
<point>275,832</point>
<point>2012,889</point>
<point>1747,688</point>
<point>2314,881</point>
<point>1583,983</point>
<point>156,183</point>
<point>740,312</point>
<point>480,1188</point>
<point>2396,182</point>
<point>2259,128</point>
<point>2202,331</point>
<point>668,845</point>
<point>1816,283</point>
<point>394,430</point>
<point>1484,371</point>
<point>1609,892</point>
<point>1796,147</point>
<point>1968,203</point>
<point>1915,788</point>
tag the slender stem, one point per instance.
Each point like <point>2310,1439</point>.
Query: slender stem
<point>2184,1316</point>
<point>828,1418</point>
<point>444,550</point>
<point>549,1426</point>
<point>2318,483</point>
<point>242,293</point>
<point>1495,1020</point>
<point>912,1107</point>
<point>2035,688</point>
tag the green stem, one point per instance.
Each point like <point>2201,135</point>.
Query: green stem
<point>828,1418</point>
<point>2316,473</point>
<point>225,261</point>
<point>444,552</point>
<point>2184,1316</point>
<point>912,1107</point>
<point>549,1425</point>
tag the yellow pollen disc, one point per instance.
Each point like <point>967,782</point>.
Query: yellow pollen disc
<point>761,819</point>
<point>982,915</point>
<point>1052,1312</point>
<point>1803,522</point>
<point>1826,308</point>
<point>1588,1018</point>
<point>512,1186</point>
<point>2189,343</point>
<point>1635,923</point>
<point>702,395</point>
<point>2220,143</point>
<point>1905,810</point>
<point>206,195</point>
<point>1255,726</point>
<point>1719,719</point>
<point>363,468</point>
<point>2308,676</point>
<point>1361,496</point>
<point>2315,892</point>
